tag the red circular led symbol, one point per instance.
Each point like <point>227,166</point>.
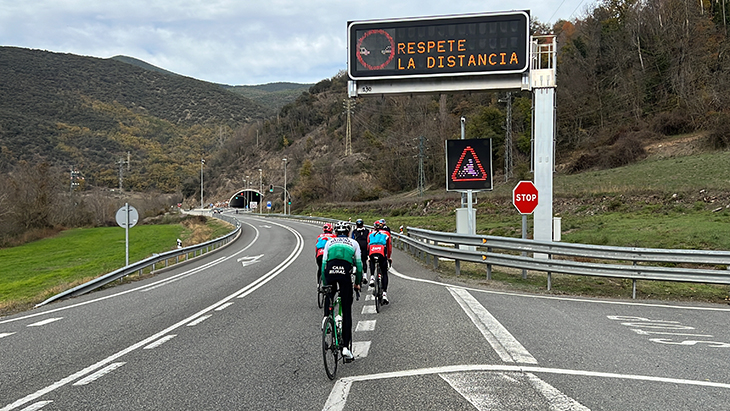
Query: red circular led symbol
<point>360,53</point>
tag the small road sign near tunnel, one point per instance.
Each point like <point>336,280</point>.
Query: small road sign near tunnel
<point>524,197</point>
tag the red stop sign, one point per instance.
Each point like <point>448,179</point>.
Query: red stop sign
<point>524,197</point>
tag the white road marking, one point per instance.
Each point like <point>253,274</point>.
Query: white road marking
<point>642,332</point>
<point>37,406</point>
<point>138,288</point>
<point>6,334</point>
<point>198,320</point>
<point>246,290</point>
<point>365,325</point>
<point>44,322</point>
<point>547,297</point>
<point>160,341</point>
<point>360,348</point>
<point>507,346</point>
<point>224,306</point>
<point>369,297</point>
<point>102,372</point>
<point>338,396</point>
<point>181,276</point>
<point>495,390</point>
<point>369,309</point>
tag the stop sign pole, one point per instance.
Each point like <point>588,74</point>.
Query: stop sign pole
<point>525,198</point>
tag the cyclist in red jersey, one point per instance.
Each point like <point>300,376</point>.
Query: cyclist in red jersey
<point>319,246</point>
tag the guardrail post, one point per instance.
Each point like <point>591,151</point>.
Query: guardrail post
<point>633,288</point>
<point>633,284</point>
<point>489,265</point>
<point>457,263</point>
<point>550,275</point>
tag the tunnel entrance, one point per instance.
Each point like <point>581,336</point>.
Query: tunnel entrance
<point>246,199</point>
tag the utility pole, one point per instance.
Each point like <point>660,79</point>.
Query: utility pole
<point>421,174</point>
<point>508,163</point>
<point>121,163</point>
<point>349,107</point>
<point>74,178</point>
<point>286,197</point>
<point>202,162</point>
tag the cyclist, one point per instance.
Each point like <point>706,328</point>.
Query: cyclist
<point>319,246</point>
<point>341,255</point>
<point>360,234</point>
<point>384,226</point>
<point>379,244</point>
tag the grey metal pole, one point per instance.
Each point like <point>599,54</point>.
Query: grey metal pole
<point>524,236</point>
<point>202,161</point>
<point>126,233</point>
<point>286,195</point>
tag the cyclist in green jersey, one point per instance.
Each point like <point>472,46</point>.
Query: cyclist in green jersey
<point>341,255</point>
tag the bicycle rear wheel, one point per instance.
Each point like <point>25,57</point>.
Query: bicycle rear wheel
<point>320,294</point>
<point>330,351</point>
<point>378,290</point>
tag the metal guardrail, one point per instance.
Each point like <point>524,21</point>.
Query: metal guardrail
<point>152,262</point>
<point>664,262</point>
<point>565,258</point>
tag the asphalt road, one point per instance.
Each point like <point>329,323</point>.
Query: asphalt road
<point>239,329</point>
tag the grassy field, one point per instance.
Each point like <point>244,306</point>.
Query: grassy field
<point>35,271</point>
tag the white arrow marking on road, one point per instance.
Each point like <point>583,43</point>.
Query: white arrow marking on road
<point>5,334</point>
<point>249,260</point>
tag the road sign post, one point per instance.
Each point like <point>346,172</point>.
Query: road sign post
<point>525,199</point>
<point>127,217</point>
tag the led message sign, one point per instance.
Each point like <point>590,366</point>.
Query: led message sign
<point>447,46</point>
<point>469,164</point>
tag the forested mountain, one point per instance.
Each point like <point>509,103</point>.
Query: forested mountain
<point>89,113</point>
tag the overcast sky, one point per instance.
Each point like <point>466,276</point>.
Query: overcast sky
<point>232,42</point>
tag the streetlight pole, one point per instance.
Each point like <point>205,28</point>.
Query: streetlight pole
<point>202,161</point>
<point>286,196</point>
<point>261,199</point>
<point>245,184</point>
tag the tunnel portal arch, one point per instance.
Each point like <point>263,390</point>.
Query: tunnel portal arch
<point>246,199</point>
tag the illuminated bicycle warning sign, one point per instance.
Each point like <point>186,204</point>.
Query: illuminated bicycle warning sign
<point>472,44</point>
<point>469,164</point>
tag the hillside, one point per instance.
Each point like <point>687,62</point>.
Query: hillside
<point>89,113</point>
<point>273,96</point>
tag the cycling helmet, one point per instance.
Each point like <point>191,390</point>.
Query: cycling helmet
<point>342,227</point>
<point>377,224</point>
<point>327,228</point>
<point>382,221</point>
<point>359,222</point>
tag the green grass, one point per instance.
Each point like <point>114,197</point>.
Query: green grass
<point>633,206</point>
<point>709,171</point>
<point>33,272</point>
